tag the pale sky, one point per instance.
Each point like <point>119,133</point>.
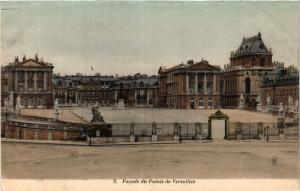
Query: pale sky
<point>130,37</point>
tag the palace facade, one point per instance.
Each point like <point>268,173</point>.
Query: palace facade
<point>194,85</point>
<point>31,79</point>
<point>280,84</point>
<point>136,90</point>
<point>244,74</point>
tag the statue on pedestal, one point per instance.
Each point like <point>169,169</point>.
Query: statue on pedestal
<point>268,102</point>
<point>241,102</point>
<point>281,111</point>
<point>56,112</point>
<point>258,105</point>
<point>56,104</point>
<point>97,117</point>
<point>154,128</point>
<point>11,100</point>
<point>6,106</point>
<point>296,108</point>
<point>131,128</point>
<point>290,104</point>
<point>18,105</point>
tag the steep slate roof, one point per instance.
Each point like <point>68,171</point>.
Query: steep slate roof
<point>250,46</point>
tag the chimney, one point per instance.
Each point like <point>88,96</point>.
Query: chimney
<point>36,58</point>
<point>190,62</point>
<point>16,59</point>
<point>259,35</point>
<point>24,58</point>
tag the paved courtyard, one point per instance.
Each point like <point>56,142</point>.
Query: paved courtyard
<point>220,159</point>
<point>148,115</point>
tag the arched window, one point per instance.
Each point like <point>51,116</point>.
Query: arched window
<point>247,85</point>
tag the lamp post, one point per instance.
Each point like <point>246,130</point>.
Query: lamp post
<point>180,140</point>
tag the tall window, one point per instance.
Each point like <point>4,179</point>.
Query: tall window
<point>247,85</point>
<point>210,103</point>
<point>201,103</point>
<point>40,80</point>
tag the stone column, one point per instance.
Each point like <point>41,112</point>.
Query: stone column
<point>135,97</point>
<point>76,97</point>
<point>45,80</point>
<point>196,83</point>
<point>25,80</point>
<point>187,84</point>
<point>16,81</point>
<point>66,97</point>
<point>204,84</point>
<point>116,95</point>
<point>214,84</point>
<point>35,81</point>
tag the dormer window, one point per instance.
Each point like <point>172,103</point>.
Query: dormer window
<point>261,46</point>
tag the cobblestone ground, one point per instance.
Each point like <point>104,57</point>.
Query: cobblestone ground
<point>148,115</point>
<point>220,159</point>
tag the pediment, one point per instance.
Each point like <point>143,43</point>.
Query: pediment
<point>203,66</point>
<point>32,63</point>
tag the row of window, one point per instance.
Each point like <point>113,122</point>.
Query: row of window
<point>32,102</point>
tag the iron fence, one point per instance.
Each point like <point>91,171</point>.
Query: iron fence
<point>254,130</point>
<point>187,131</point>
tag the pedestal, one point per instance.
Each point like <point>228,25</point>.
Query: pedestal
<point>261,136</point>
<point>281,136</point>
<point>239,137</point>
<point>132,138</point>
<point>49,135</point>
<point>121,104</point>
<point>199,137</point>
<point>154,138</point>
<point>267,109</point>
<point>258,107</point>
<point>56,116</point>
<point>176,137</point>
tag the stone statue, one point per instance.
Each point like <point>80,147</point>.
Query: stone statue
<point>176,128</point>
<point>97,117</point>
<point>258,105</point>
<point>290,104</point>
<point>11,100</point>
<point>241,102</point>
<point>132,128</point>
<point>56,113</point>
<point>296,106</point>
<point>6,103</point>
<point>281,111</point>
<point>258,99</point>
<point>154,128</point>
<point>56,104</point>
<point>18,105</point>
<point>268,100</point>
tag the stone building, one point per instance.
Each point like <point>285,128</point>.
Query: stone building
<point>244,74</point>
<point>31,79</point>
<point>83,90</point>
<point>194,85</point>
<point>137,90</point>
<point>280,84</point>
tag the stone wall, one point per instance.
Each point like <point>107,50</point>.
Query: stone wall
<point>18,132</point>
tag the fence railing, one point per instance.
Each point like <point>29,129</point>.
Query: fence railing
<point>255,130</point>
<point>187,131</point>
